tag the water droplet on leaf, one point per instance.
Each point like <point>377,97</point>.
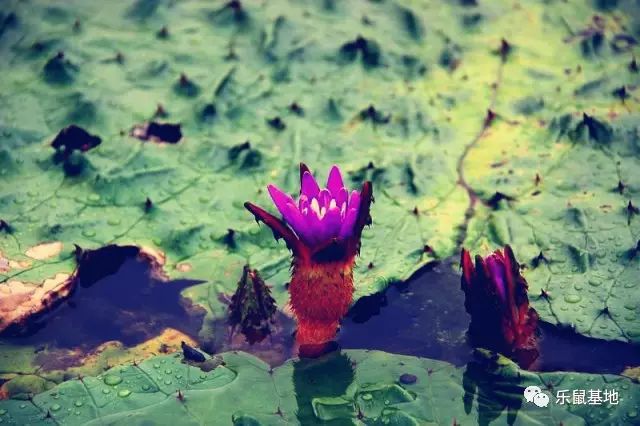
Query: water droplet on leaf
<point>572,298</point>
<point>112,380</point>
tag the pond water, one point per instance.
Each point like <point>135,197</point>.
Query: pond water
<point>423,316</point>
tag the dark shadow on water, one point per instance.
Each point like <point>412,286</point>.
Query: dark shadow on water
<point>566,350</point>
<point>493,394</point>
<point>328,376</point>
<point>274,348</point>
<point>118,298</point>
<point>425,316</point>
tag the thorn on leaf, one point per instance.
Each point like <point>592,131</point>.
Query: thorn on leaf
<point>505,50</point>
<point>296,109</point>
<point>540,258</point>
<point>489,118</point>
<point>229,238</point>
<point>163,32</point>
<point>5,227</point>
<point>277,123</point>
<point>494,201</point>
<point>621,93</point>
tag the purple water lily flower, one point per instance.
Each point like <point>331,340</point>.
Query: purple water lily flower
<point>319,215</point>
<point>327,221</point>
<point>322,229</point>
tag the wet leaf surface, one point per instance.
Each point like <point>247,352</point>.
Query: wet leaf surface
<point>340,388</point>
<point>442,106</point>
<point>422,141</point>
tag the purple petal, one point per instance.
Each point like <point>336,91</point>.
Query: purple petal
<point>297,222</point>
<point>343,209</point>
<point>324,198</point>
<point>496,268</point>
<point>310,187</point>
<point>342,196</point>
<point>314,226</point>
<point>280,199</point>
<point>314,208</point>
<point>354,200</point>
<point>349,221</point>
<point>303,202</point>
<point>334,182</point>
<point>332,220</point>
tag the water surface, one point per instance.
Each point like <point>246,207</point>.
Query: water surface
<point>121,300</point>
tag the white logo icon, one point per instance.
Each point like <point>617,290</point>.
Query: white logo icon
<point>541,399</point>
<point>534,394</point>
<point>530,392</point>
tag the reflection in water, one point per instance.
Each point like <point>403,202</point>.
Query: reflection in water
<point>274,348</point>
<point>423,316</point>
<point>494,393</point>
<point>566,350</point>
<point>328,376</point>
<point>117,299</point>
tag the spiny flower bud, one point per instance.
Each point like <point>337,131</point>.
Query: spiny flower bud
<point>496,298</point>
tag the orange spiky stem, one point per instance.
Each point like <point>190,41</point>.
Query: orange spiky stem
<point>321,295</point>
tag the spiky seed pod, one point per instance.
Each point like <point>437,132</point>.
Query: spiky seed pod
<point>252,308</point>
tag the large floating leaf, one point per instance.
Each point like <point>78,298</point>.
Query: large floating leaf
<point>353,387</point>
<point>395,92</point>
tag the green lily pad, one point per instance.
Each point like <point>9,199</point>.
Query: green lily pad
<point>352,387</point>
<point>395,92</point>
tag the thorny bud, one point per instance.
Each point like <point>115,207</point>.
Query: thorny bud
<point>496,299</point>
